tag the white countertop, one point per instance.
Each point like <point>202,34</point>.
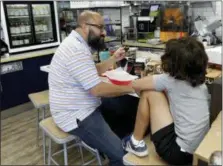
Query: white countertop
<point>214,54</point>
<point>27,55</point>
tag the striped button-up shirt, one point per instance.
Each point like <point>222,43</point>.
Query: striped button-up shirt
<point>72,74</point>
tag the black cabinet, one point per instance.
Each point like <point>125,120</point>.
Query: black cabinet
<point>17,85</point>
<point>216,99</point>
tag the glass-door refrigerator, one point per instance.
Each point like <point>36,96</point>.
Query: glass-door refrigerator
<point>30,25</point>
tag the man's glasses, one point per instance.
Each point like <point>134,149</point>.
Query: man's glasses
<point>100,27</point>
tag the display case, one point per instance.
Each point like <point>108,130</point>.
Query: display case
<point>30,25</point>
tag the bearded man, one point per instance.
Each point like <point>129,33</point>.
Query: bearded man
<point>75,88</point>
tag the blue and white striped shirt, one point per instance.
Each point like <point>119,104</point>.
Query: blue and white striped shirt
<point>72,74</point>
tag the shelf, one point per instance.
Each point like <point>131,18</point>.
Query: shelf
<point>113,24</point>
<point>43,32</point>
<point>145,45</point>
<point>71,23</point>
<point>144,32</point>
<point>39,16</point>
<point>18,16</point>
<point>21,34</point>
<point>112,39</point>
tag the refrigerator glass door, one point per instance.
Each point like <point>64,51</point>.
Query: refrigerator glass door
<point>44,23</point>
<point>19,25</point>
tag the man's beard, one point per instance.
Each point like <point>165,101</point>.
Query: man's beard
<point>96,42</point>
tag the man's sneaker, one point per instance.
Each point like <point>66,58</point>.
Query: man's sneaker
<point>139,150</point>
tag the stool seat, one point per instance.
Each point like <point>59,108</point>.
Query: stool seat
<point>54,132</point>
<point>40,99</point>
<point>151,159</point>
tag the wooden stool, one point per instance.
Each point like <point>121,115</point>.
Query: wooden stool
<point>212,74</point>
<point>40,101</point>
<point>54,133</point>
<point>151,159</point>
<point>210,143</point>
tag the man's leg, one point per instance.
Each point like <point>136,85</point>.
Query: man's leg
<point>153,110</point>
<point>120,113</point>
<point>95,132</point>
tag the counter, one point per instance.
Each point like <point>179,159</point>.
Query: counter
<point>145,45</point>
<point>32,54</point>
<point>210,143</point>
<point>15,86</point>
<point>213,52</point>
<point>17,83</point>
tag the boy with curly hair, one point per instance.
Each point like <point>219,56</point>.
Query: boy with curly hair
<point>175,104</point>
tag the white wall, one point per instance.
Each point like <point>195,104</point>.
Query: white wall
<point>208,9</point>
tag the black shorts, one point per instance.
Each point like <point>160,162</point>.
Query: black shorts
<point>168,149</point>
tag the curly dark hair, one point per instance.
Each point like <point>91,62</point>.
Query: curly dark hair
<point>185,59</point>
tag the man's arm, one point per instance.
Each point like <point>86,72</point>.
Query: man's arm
<point>105,65</point>
<point>109,90</point>
<point>82,68</point>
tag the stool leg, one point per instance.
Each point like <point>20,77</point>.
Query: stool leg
<point>65,154</point>
<point>81,153</point>
<point>49,152</point>
<point>44,148</point>
<point>98,157</point>
<point>43,113</point>
<point>37,136</point>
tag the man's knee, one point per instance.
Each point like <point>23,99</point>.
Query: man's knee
<point>117,155</point>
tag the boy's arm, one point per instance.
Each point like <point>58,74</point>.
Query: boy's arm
<point>158,82</point>
<point>145,83</point>
<point>109,90</point>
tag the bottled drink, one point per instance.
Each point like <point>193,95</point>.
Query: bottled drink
<point>22,28</point>
<point>26,41</point>
<point>16,11</point>
<point>12,11</point>
<point>27,27</point>
<point>41,10</point>
<point>46,10</point>
<point>22,11</point>
<point>21,41</point>
<point>26,12</point>
<point>17,29</point>
<point>45,28</point>
<point>16,41</point>
<point>12,28</point>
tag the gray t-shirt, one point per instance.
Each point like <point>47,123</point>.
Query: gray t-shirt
<point>189,107</point>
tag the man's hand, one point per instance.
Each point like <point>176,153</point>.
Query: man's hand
<point>119,54</point>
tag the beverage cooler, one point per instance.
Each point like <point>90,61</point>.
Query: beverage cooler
<point>30,25</point>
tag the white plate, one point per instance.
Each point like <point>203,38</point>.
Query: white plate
<point>119,75</point>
